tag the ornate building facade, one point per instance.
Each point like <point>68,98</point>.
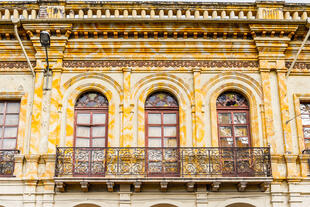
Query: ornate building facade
<point>154,104</point>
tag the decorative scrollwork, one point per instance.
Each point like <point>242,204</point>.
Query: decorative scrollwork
<point>161,99</point>
<point>92,99</point>
<point>7,162</point>
<point>231,99</point>
<point>166,162</point>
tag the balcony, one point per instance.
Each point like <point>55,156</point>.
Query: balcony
<point>7,162</point>
<point>207,165</point>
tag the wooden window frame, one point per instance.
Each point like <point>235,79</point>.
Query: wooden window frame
<point>233,110</point>
<point>91,111</point>
<point>3,125</point>
<point>303,125</point>
<point>162,111</point>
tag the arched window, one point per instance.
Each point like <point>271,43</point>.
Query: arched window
<point>233,120</point>
<point>162,133</point>
<point>91,120</point>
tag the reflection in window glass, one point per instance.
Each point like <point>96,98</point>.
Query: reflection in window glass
<point>224,118</point>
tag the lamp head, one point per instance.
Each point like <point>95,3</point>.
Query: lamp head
<point>45,39</point>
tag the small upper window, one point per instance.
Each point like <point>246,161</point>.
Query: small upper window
<point>93,100</point>
<point>9,118</point>
<point>305,118</point>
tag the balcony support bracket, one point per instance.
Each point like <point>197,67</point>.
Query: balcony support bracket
<point>60,186</point>
<point>242,186</point>
<point>110,186</point>
<point>215,186</point>
<point>137,186</point>
<point>163,186</point>
<point>190,186</point>
<point>264,186</point>
<point>84,186</point>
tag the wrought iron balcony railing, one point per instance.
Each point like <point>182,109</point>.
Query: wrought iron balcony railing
<point>7,162</point>
<point>163,162</point>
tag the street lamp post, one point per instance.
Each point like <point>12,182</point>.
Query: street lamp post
<point>46,42</point>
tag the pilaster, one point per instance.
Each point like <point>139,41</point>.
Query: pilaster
<point>29,197</point>
<point>271,42</point>
<point>304,164</point>
<point>278,195</point>
<point>19,163</point>
<point>32,161</point>
<point>295,197</point>
<point>201,196</point>
<point>124,196</point>
<point>127,137</point>
<point>45,122</point>
<point>199,138</point>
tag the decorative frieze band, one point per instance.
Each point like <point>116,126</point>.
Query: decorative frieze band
<point>299,65</point>
<point>161,63</point>
<point>16,65</point>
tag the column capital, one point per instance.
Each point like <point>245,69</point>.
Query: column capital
<point>32,157</point>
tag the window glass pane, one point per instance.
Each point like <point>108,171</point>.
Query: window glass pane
<point>154,131</point>
<point>82,131</point>
<point>305,108</point>
<point>170,131</point>
<point>225,131</point>
<point>242,142</point>
<point>170,118</point>
<point>307,132</point>
<point>99,142</point>
<point>224,118</point>
<point>154,118</point>
<point>9,144</point>
<point>241,131</point>
<point>307,143</point>
<point>1,119</point>
<point>99,118</point>
<point>98,131</point>
<point>1,130</point>
<point>81,142</point>
<point>1,107</point>
<point>154,142</point>
<point>170,142</point>
<point>240,118</point>
<point>305,119</point>
<point>12,107</point>
<point>227,142</point>
<point>83,118</point>
<point>11,119</point>
<point>10,132</point>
